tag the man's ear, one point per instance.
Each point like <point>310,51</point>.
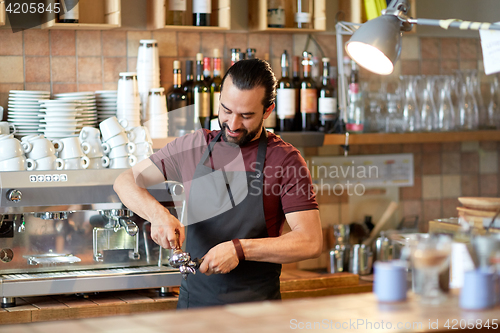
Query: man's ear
<point>269,110</point>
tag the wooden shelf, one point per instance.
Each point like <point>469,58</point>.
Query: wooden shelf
<point>257,17</point>
<point>2,12</point>
<point>94,15</point>
<point>220,17</point>
<point>395,138</point>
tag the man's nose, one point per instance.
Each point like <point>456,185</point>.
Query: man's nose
<point>234,122</point>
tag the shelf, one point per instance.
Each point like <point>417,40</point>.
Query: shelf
<point>257,17</point>
<point>396,138</point>
<point>157,17</point>
<point>2,12</point>
<point>94,15</point>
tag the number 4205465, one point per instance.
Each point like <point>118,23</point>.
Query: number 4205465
<point>32,8</point>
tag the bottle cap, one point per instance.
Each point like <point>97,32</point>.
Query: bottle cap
<point>216,53</point>
<point>199,56</point>
<point>284,59</point>
<point>177,64</point>
<point>325,59</point>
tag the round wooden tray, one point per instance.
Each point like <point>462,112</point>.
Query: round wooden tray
<point>489,204</point>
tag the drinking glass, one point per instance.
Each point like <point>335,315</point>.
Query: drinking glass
<point>467,113</point>
<point>494,103</point>
<point>411,114</point>
<point>428,114</point>
<point>445,109</point>
<point>430,256</point>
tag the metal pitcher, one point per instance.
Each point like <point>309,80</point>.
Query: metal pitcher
<point>383,248</point>
<point>338,262</point>
<point>361,259</point>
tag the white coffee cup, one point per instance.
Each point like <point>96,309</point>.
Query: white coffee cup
<point>143,148</point>
<point>11,147</point>
<point>76,163</point>
<point>19,163</point>
<point>97,149</point>
<point>118,140</point>
<point>5,127</point>
<point>49,163</point>
<point>99,162</point>
<point>41,146</point>
<point>90,134</point>
<point>122,162</point>
<point>140,134</point>
<point>73,148</point>
<point>123,150</point>
<point>112,127</point>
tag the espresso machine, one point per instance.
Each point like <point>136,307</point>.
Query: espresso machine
<point>66,232</point>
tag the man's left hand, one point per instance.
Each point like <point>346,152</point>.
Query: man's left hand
<point>221,259</point>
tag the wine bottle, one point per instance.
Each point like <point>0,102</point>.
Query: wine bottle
<point>303,14</point>
<point>187,86</point>
<point>251,53</point>
<point>286,98</point>
<point>201,12</point>
<point>235,56</point>
<point>207,72</point>
<point>69,11</point>
<point>308,97</point>
<point>327,101</point>
<point>215,87</point>
<point>276,13</point>
<point>355,110</point>
<point>176,12</point>
<point>176,103</point>
<point>297,125</point>
<point>201,93</point>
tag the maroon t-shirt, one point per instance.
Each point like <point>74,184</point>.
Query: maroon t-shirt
<point>287,182</point>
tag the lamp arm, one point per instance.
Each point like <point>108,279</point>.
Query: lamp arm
<point>454,23</point>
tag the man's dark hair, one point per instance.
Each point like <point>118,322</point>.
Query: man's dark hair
<point>251,73</point>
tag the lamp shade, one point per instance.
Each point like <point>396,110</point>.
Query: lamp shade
<point>376,45</point>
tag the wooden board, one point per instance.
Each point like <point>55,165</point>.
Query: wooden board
<point>93,15</point>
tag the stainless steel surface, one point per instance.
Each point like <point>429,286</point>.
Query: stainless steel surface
<point>383,248</point>
<point>14,195</point>
<point>339,259</point>
<point>361,259</point>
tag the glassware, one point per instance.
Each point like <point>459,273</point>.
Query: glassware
<point>430,256</point>
<point>355,110</point>
<point>467,113</point>
<point>494,104</point>
<point>475,86</point>
<point>445,109</point>
<point>428,113</point>
<point>303,14</point>
<point>276,13</point>
<point>176,12</point>
<point>411,115</point>
<point>202,9</point>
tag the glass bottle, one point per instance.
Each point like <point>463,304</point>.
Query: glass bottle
<point>177,102</point>
<point>296,79</point>
<point>215,88</point>
<point>355,110</point>
<point>235,56</point>
<point>445,109</point>
<point>327,101</point>
<point>251,53</point>
<point>176,12</point>
<point>494,104</point>
<point>411,114</point>
<point>69,11</point>
<point>201,12</point>
<point>187,86</point>
<point>308,97</point>
<point>275,13</point>
<point>303,14</point>
<point>286,97</point>
<point>207,71</point>
<point>428,113</point>
<point>467,113</point>
<point>201,94</point>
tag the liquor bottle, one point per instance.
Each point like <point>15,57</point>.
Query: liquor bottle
<point>251,53</point>
<point>286,98</point>
<point>308,97</point>
<point>215,86</point>
<point>303,14</point>
<point>201,12</point>
<point>327,101</point>
<point>297,125</point>
<point>187,86</point>
<point>176,102</point>
<point>207,72</point>
<point>201,94</point>
<point>275,13</point>
<point>235,56</point>
<point>355,110</point>
<point>176,12</point>
<point>69,11</point>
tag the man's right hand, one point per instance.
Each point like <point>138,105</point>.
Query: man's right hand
<point>163,229</point>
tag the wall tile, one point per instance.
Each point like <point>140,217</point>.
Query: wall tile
<point>451,186</point>
<point>391,149</point>
<point>417,163</point>
<point>88,43</point>
<point>431,163</point>
<point>11,69</point>
<point>413,207</point>
<point>132,65</point>
<point>450,163</point>
<point>38,86</point>
<point>450,207</point>
<point>468,64</point>
<point>345,216</point>
<point>189,44</point>
<point>133,39</point>
<point>449,48</point>
<point>236,40</point>
<point>89,86</point>
<point>211,41</point>
<point>449,67</point>
<point>167,43</point>
<point>488,185</point>
<point>110,86</point>
<point>431,147</point>
<point>112,68</point>
<point>451,146</point>
<point>410,49</point>
<point>412,193</point>
<point>468,48</point>
<point>412,148</point>
<point>369,149</point>
<point>430,67</point>
<point>470,185</point>
<point>63,69</point>
<point>470,163</point>
<point>4,93</point>
<point>329,214</point>
<point>299,41</point>
<point>280,42</point>
<point>63,88</point>
<point>410,67</point>
<point>429,48</point>
<point>488,162</point>
<point>328,44</point>
<point>470,146</point>
<point>431,187</point>
<point>167,68</point>
<point>114,43</point>
<point>488,145</point>
<point>36,42</point>
<point>37,69</point>
<point>260,42</point>
<point>62,42</point>
<point>89,70</point>
<point>11,44</point>
<point>432,211</point>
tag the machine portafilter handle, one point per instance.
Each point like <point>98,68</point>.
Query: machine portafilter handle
<point>182,260</point>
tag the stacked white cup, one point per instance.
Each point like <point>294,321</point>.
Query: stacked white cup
<point>121,149</point>
<point>143,143</point>
<point>157,114</point>
<point>148,71</point>
<point>128,101</point>
<point>43,152</point>
<point>96,149</point>
<point>12,156</point>
<point>73,153</point>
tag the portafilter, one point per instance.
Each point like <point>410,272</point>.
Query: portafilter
<point>182,260</point>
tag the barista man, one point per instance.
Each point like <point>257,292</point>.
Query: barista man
<point>236,229</point>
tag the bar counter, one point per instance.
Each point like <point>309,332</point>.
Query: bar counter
<point>346,313</point>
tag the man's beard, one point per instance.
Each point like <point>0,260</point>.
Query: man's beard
<point>245,138</point>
